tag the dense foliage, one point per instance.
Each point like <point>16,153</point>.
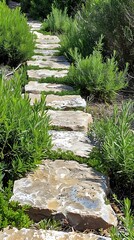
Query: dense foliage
<point>16,40</point>
<point>24,137</point>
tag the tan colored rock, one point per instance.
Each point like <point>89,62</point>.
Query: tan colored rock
<point>70,120</point>
<point>35,25</point>
<point>50,58</point>
<point>48,52</point>
<point>35,87</point>
<point>66,189</point>
<point>60,102</point>
<point>50,64</point>
<point>47,46</point>
<point>44,73</point>
<point>31,234</point>
<point>77,142</point>
<point>48,38</point>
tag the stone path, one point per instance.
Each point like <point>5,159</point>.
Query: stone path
<point>61,189</point>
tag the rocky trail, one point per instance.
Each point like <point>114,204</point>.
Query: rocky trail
<point>65,190</point>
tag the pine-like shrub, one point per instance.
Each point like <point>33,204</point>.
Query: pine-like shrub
<point>16,40</point>
<point>71,5</point>
<point>93,75</point>
<point>24,138</point>
<point>57,21</point>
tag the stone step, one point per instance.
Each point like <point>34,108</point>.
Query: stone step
<point>49,52</point>
<point>44,73</point>
<point>77,142</point>
<point>32,234</point>
<point>56,59</point>
<point>48,38</point>
<point>70,120</point>
<point>49,64</point>
<point>35,87</point>
<point>66,189</point>
<point>35,25</point>
<point>47,46</point>
<point>60,102</point>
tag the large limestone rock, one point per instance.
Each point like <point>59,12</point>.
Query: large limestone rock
<point>48,52</point>
<point>56,59</point>
<point>47,46</point>
<point>66,189</point>
<point>70,120</point>
<point>34,25</point>
<point>46,38</point>
<point>77,142</point>
<point>35,87</point>
<point>60,102</point>
<point>31,234</point>
<point>49,64</point>
<point>44,73</point>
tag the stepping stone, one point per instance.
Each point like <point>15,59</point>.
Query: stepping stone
<point>32,234</point>
<point>46,52</point>
<point>50,58</point>
<point>70,120</point>
<point>77,142</point>
<point>35,87</point>
<point>47,46</point>
<point>50,64</point>
<point>60,102</point>
<point>35,26</point>
<point>44,73</point>
<point>48,38</point>
<point>66,189</point>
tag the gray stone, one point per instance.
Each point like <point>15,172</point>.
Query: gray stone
<point>48,38</point>
<point>32,234</point>
<point>44,73</point>
<point>60,102</point>
<point>35,87</point>
<point>77,142</point>
<point>48,52</point>
<point>46,46</point>
<point>68,190</point>
<point>56,59</point>
<point>70,120</point>
<point>50,64</point>
<point>35,25</point>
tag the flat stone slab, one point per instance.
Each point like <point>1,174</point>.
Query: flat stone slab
<point>35,87</point>
<point>48,38</point>
<point>35,25</point>
<point>44,73</point>
<point>70,120</point>
<point>31,234</point>
<point>68,190</point>
<point>60,102</point>
<point>50,58</point>
<point>48,52</point>
<point>50,64</point>
<point>47,46</point>
<point>77,142</point>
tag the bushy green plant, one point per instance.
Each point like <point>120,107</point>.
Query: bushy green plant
<point>16,40</point>
<point>11,213</point>
<point>115,144</point>
<point>71,5</point>
<point>128,224</point>
<point>24,138</point>
<point>92,74</point>
<point>57,21</point>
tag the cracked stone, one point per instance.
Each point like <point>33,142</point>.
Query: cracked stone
<point>44,73</point>
<point>50,64</point>
<point>47,46</point>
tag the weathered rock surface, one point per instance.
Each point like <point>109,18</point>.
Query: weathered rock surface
<point>56,59</point>
<point>47,46</point>
<point>48,52</point>
<point>68,190</point>
<point>35,87</point>
<point>31,234</point>
<point>44,73</point>
<point>50,64</point>
<point>48,38</point>
<point>60,102</point>
<point>70,120</point>
<point>35,25</point>
<point>77,142</point>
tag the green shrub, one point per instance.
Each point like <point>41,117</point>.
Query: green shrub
<point>93,75</point>
<point>16,41</point>
<point>57,21</point>
<point>71,5</point>
<point>115,144</point>
<point>24,138</point>
<point>11,213</point>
